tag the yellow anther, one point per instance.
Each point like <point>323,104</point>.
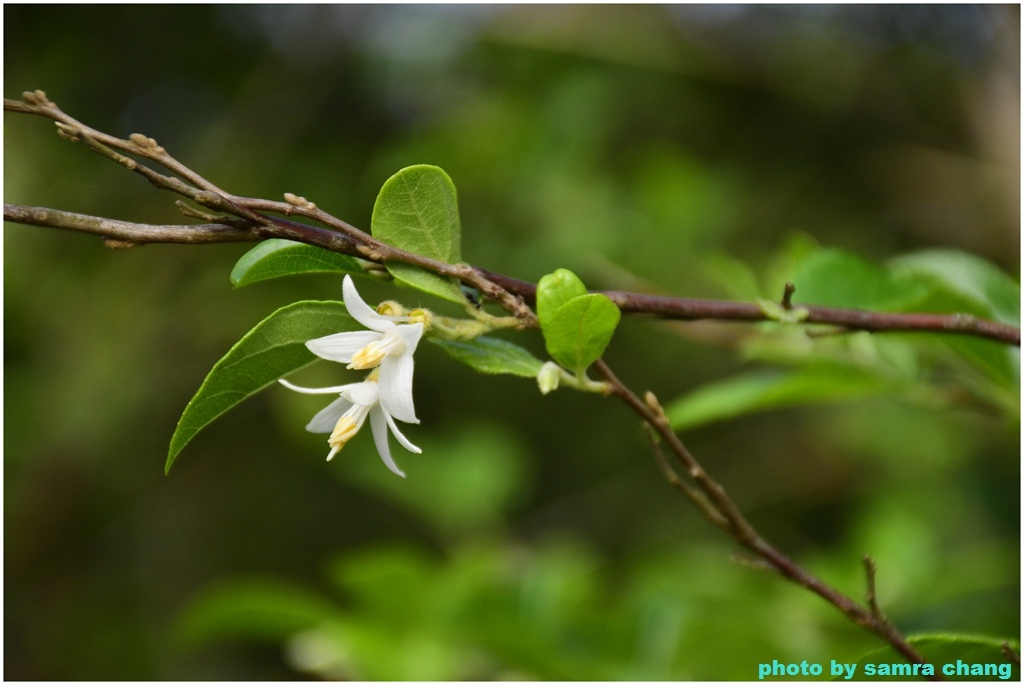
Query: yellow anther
<point>368,357</point>
<point>344,430</point>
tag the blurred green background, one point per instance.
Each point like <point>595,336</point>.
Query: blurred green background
<point>696,150</point>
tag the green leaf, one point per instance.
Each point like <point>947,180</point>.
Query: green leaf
<point>973,654</point>
<point>417,211</point>
<point>276,258</point>
<point>580,330</point>
<point>491,355</point>
<point>257,608</point>
<point>965,283</point>
<point>834,278</point>
<point>770,390</point>
<point>994,294</point>
<point>274,348</point>
<point>554,290</point>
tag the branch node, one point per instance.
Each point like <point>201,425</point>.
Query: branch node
<point>146,142</point>
<point>787,295</point>
<point>651,400</point>
<point>207,199</point>
<point>194,213</point>
<point>299,201</point>
<point>68,132</point>
<point>115,244</point>
<point>750,562</point>
<point>870,569</point>
<point>36,97</point>
<point>963,322</point>
<point>774,311</point>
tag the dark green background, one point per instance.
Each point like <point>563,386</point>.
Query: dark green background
<point>647,148</point>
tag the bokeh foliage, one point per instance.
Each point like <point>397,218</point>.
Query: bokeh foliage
<point>696,151</point>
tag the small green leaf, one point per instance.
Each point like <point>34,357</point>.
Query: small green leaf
<point>274,348</point>
<point>554,290</point>
<point>834,278</point>
<point>276,258</point>
<point>491,355</point>
<point>953,657</point>
<point>417,211</point>
<point>770,390</point>
<point>776,312</point>
<point>964,283</point>
<point>580,330</point>
<point>994,294</point>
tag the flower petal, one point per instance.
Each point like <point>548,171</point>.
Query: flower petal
<point>327,418</point>
<point>401,438</point>
<point>410,335</point>
<point>361,311</point>
<point>395,381</point>
<point>379,427</point>
<point>365,393</point>
<point>316,391</point>
<point>339,347</point>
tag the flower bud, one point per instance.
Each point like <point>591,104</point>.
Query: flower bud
<point>548,377</point>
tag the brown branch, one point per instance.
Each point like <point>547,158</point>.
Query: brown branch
<point>690,309</point>
<point>741,529</point>
<point>204,193</point>
<point>125,231</point>
<point>496,286</point>
<point>511,293</point>
<point>675,480</point>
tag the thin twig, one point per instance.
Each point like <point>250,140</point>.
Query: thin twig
<point>676,481</point>
<point>787,295</point>
<point>870,569</point>
<point>512,294</point>
<point>741,529</point>
<point>205,193</point>
<point>126,231</point>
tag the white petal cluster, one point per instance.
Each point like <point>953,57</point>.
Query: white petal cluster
<point>343,418</point>
<point>385,395</point>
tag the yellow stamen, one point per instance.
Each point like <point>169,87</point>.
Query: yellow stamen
<point>368,357</point>
<point>344,430</point>
<point>373,354</point>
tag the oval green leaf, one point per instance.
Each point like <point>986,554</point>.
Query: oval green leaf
<point>417,211</point>
<point>952,656</point>
<point>580,330</point>
<point>274,348</point>
<point>554,290</point>
<point>276,258</point>
<point>761,391</point>
<point>491,355</point>
<point>835,278</point>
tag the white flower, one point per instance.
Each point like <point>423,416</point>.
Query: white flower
<point>387,344</point>
<point>343,418</point>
